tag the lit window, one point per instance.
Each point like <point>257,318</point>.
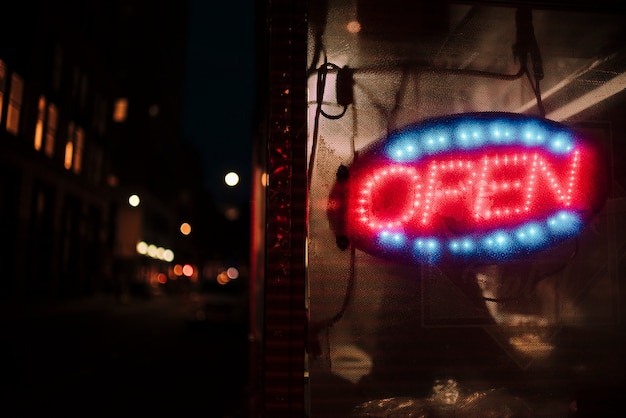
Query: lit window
<point>3,84</point>
<point>41,116</point>
<point>79,141</point>
<point>45,129</point>
<point>51,129</point>
<point>69,147</point>
<point>73,158</point>
<point>120,110</point>
<point>15,104</point>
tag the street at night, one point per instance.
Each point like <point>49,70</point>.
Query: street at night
<point>140,356</point>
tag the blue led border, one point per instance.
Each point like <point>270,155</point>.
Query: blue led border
<point>465,132</point>
<point>494,245</point>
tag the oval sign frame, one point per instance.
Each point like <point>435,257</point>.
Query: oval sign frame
<point>471,187</point>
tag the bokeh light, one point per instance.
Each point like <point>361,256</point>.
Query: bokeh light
<point>232,273</point>
<point>231,179</point>
<point>168,255</point>
<point>142,247</point>
<point>185,228</point>
<point>134,200</point>
<point>188,270</point>
<point>178,270</point>
<point>231,213</point>
<point>222,278</point>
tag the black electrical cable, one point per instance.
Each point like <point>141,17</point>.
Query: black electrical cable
<point>322,71</point>
<point>316,123</point>
<point>526,47</point>
<point>537,92</point>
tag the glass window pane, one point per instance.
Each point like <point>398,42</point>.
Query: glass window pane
<point>464,187</point>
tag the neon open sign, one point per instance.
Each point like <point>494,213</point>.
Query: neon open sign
<point>488,186</point>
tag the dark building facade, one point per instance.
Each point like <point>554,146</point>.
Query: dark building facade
<point>90,110</point>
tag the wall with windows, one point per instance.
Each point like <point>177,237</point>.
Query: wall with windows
<point>66,142</point>
<point>53,135</point>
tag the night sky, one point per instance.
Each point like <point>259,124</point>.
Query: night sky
<point>219,93</point>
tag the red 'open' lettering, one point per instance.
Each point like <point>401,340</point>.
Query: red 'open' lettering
<point>465,193</point>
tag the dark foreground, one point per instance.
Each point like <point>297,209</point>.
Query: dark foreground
<point>101,357</point>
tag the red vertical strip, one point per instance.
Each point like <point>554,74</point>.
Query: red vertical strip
<point>284,331</point>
